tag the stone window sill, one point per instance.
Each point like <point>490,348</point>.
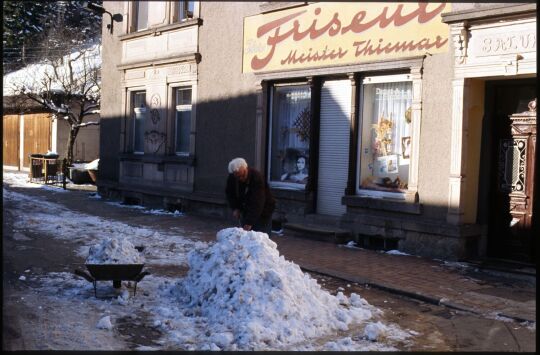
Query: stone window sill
<point>158,159</point>
<point>296,195</point>
<point>269,6</point>
<point>162,28</point>
<point>384,204</point>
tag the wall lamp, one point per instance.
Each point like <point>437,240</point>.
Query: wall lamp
<point>101,10</point>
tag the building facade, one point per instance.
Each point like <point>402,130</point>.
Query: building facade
<point>377,118</point>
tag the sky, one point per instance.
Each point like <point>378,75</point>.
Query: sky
<point>239,293</point>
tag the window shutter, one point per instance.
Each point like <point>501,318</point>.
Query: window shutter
<point>334,146</point>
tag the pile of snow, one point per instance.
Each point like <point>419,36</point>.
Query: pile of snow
<point>105,323</point>
<point>93,165</point>
<point>253,298</point>
<point>114,251</point>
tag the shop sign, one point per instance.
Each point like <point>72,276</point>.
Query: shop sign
<point>328,34</point>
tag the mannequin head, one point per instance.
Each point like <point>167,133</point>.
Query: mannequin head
<point>300,163</point>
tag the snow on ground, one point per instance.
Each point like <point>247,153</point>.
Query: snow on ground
<point>251,298</point>
<point>114,250</point>
<point>396,252</point>
<point>239,293</point>
<point>145,210</point>
<point>15,179</point>
<point>21,180</point>
<point>54,220</point>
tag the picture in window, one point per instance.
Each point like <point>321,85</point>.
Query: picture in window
<point>406,147</point>
<point>296,168</point>
<point>290,134</point>
<point>385,136</point>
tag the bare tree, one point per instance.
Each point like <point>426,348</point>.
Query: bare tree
<point>68,87</point>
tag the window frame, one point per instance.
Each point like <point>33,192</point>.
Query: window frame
<point>135,17</point>
<point>273,183</point>
<point>171,117</point>
<point>130,93</point>
<point>182,108</point>
<point>380,79</point>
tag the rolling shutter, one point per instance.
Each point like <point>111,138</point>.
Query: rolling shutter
<point>334,146</point>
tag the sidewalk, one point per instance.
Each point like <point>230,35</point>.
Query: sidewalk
<point>453,285</point>
<point>424,279</point>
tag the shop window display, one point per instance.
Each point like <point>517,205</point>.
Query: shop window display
<point>290,135</point>
<point>386,136</point>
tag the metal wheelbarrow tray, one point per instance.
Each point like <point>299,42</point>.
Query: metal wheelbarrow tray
<point>113,272</point>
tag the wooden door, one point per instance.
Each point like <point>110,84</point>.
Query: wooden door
<point>513,174</point>
<point>37,135</point>
<point>11,138</point>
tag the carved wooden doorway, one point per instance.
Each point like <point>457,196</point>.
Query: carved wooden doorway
<point>512,170</point>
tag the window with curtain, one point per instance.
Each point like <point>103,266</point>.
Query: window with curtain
<point>141,15</point>
<point>183,120</point>
<point>385,136</point>
<point>184,10</point>
<point>139,111</point>
<point>290,134</point>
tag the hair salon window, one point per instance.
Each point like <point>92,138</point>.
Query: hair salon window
<point>289,138</point>
<point>385,136</point>
<point>138,111</point>
<point>183,120</point>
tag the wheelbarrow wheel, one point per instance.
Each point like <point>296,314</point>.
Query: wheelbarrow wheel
<point>117,283</point>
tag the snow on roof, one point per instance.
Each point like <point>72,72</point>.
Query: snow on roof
<point>31,75</point>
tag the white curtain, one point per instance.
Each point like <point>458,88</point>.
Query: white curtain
<point>291,103</point>
<point>391,102</point>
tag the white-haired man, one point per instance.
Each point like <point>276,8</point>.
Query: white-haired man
<point>249,197</point>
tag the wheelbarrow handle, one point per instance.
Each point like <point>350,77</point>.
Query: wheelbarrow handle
<point>141,275</point>
<point>84,274</point>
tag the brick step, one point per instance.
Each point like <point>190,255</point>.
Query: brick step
<point>317,232</point>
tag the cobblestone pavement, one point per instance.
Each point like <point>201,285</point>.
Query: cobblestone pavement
<point>453,285</point>
<point>462,288</point>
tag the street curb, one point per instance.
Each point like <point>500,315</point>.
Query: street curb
<point>401,292</point>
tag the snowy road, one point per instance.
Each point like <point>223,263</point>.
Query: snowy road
<point>61,312</point>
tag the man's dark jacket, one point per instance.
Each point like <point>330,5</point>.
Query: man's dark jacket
<point>252,197</point>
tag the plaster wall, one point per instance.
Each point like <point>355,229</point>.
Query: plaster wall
<point>456,6</point>
<point>226,108</point>
<point>111,95</point>
<point>86,147</point>
<point>434,159</point>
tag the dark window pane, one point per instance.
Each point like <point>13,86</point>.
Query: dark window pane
<point>183,127</point>
<point>139,116</point>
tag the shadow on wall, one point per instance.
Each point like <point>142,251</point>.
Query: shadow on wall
<point>226,129</point>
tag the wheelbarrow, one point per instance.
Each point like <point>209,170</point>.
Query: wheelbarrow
<point>115,272</point>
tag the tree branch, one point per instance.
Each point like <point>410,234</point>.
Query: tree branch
<point>87,124</point>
